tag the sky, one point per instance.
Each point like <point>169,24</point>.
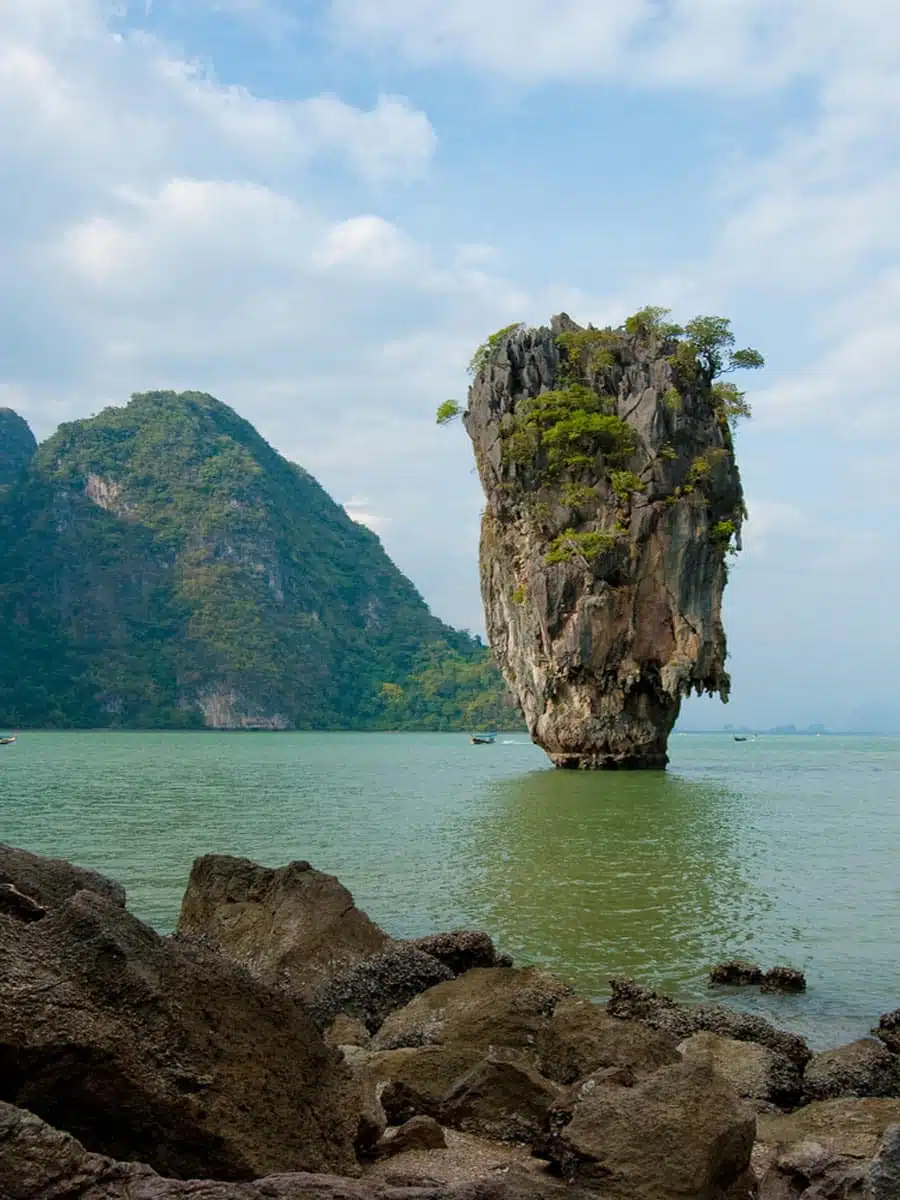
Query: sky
<point>316,209</point>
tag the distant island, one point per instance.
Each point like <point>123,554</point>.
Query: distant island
<point>164,567</point>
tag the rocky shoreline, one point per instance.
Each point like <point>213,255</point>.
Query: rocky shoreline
<point>280,1045</point>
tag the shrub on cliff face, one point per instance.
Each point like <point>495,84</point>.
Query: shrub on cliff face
<point>447,412</point>
<point>588,545</point>
<point>490,346</point>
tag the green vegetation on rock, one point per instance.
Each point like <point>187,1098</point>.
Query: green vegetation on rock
<point>571,425</point>
<point>448,411</point>
<point>625,484</point>
<point>589,545</point>
<point>489,348</point>
<point>164,567</point>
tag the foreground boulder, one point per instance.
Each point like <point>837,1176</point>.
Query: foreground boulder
<point>760,1075</point>
<point>49,882</point>
<point>488,1051</point>
<point>145,1049</point>
<point>503,1098</point>
<point>292,926</point>
<point>631,1002</point>
<point>682,1132</point>
<point>414,1079</point>
<point>502,1006</point>
<point>38,1162</point>
<point>418,1133</point>
<point>581,1037</point>
<point>862,1068</point>
<point>825,1150</point>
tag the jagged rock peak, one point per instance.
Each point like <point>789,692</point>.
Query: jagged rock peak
<point>17,446</point>
<point>613,495</point>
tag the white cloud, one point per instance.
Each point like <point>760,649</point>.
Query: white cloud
<point>739,46</point>
<point>366,243</point>
<point>358,510</point>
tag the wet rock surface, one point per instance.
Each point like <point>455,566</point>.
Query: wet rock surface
<point>783,979</point>
<point>460,950</point>
<point>736,973</point>
<point>631,1002</point>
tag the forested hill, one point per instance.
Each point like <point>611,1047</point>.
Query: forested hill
<point>163,566</point>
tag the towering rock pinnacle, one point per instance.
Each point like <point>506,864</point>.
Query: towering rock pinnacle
<point>613,496</point>
<point>17,446</point>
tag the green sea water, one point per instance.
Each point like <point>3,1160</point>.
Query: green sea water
<point>785,849</point>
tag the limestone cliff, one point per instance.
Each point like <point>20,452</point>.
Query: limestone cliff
<point>163,565</point>
<point>612,498</point>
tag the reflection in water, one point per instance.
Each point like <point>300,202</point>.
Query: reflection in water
<point>634,873</point>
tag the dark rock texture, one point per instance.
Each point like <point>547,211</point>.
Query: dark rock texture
<point>580,1038</point>
<point>862,1068</point>
<point>681,1132</point>
<point>825,1150</point>
<point>631,1002</point>
<point>503,1098</point>
<point>888,1030</point>
<point>601,646</point>
<point>460,949</point>
<point>145,1049</point>
<point>292,926</point>
<point>51,881</point>
<point>783,979</point>
<point>883,1179</point>
<point>736,973</point>
<point>414,1080</point>
<point>372,989</point>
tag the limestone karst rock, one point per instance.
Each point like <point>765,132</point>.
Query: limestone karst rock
<point>612,498</point>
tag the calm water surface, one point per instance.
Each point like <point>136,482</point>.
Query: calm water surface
<point>782,849</point>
